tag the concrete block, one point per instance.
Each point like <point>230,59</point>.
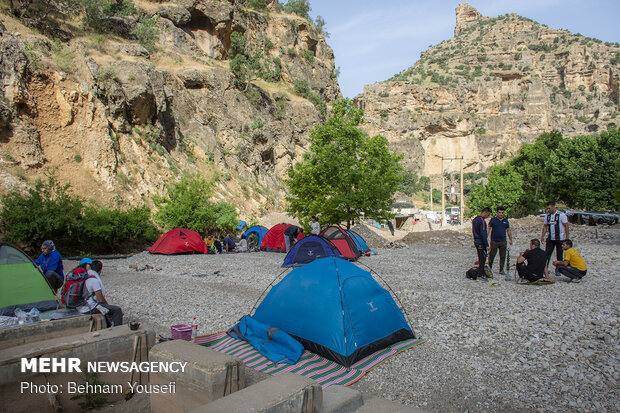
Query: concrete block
<point>112,344</point>
<point>209,375</point>
<point>340,399</point>
<point>284,393</point>
<point>45,330</point>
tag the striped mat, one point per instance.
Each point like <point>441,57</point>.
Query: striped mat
<point>325,372</point>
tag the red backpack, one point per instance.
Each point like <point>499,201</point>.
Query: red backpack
<point>72,294</point>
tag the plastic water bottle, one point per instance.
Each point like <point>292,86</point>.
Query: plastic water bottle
<point>194,329</point>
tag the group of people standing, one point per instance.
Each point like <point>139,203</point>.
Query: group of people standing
<point>533,263</point>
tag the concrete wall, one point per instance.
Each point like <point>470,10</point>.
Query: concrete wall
<point>113,344</point>
<point>28,333</point>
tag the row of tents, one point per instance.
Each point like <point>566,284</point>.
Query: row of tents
<point>332,241</point>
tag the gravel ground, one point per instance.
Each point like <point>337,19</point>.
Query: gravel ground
<point>492,345</point>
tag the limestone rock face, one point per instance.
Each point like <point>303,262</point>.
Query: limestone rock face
<point>498,83</point>
<point>122,121</point>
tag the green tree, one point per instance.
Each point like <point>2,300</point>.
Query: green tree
<point>345,174</point>
<point>299,7</point>
<point>188,205</point>
<point>99,15</point>
<point>246,64</point>
<point>532,163</point>
<point>504,188</point>
<point>582,170</point>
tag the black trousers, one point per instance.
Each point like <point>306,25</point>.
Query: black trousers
<point>550,245</point>
<point>570,272</point>
<point>501,246</point>
<point>482,259</point>
<point>54,280</point>
<point>113,316</point>
<point>527,274</point>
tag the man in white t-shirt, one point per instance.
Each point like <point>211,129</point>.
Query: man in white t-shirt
<point>556,224</point>
<point>94,294</point>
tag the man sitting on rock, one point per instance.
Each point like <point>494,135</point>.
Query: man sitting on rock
<point>573,266</point>
<point>536,267</point>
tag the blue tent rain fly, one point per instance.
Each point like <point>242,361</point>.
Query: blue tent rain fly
<point>258,230</point>
<point>335,309</point>
<point>309,249</point>
<point>359,241</point>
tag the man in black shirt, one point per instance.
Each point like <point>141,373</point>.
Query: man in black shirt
<point>536,268</point>
<point>290,236</point>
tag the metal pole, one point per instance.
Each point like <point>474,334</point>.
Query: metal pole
<point>462,192</point>
<point>431,195</point>
<point>443,192</point>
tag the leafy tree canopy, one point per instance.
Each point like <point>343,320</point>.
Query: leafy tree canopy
<point>188,205</point>
<point>345,174</point>
<point>505,188</point>
<point>580,172</point>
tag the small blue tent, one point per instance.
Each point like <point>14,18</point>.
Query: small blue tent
<point>258,230</point>
<point>335,309</point>
<point>359,242</point>
<point>309,249</point>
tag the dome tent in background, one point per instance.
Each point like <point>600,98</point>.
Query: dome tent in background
<point>273,240</point>
<point>360,243</point>
<point>259,230</point>
<point>343,241</point>
<point>335,309</point>
<point>23,285</point>
<point>179,241</point>
<point>308,249</point>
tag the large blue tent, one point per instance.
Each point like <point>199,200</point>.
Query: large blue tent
<point>308,249</point>
<point>335,309</point>
<point>259,230</point>
<point>359,241</point>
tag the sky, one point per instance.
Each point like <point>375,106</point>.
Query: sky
<point>374,40</point>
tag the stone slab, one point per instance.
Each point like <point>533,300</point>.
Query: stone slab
<point>45,330</point>
<point>284,393</point>
<point>209,375</point>
<point>340,399</point>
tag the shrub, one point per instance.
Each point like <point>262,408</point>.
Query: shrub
<point>309,56</point>
<point>50,211</point>
<point>63,57</point>
<point>298,7</point>
<point>146,32</point>
<point>98,14</point>
<point>187,205</point>
<point>291,52</point>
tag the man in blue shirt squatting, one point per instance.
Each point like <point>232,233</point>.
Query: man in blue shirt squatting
<point>499,229</point>
<point>50,263</point>
<point>481,238</point>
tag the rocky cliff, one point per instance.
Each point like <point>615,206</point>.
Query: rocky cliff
<point>498,83</point>
<point>118,121</point>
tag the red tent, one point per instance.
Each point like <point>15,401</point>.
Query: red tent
<point>274,238</point>
<point>343,242</point>
<point>179,241</point>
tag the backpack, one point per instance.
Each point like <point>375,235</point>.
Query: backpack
<point>472,273</point>
<point>72,295</point>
